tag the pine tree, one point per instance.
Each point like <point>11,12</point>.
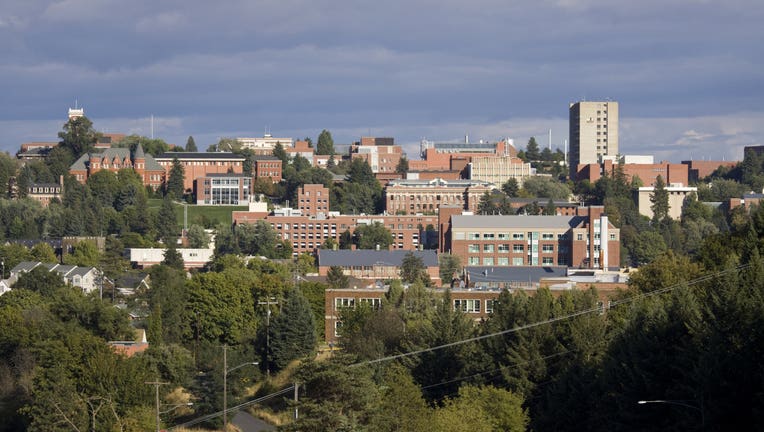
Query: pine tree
<point>174,186</point>
<point>191,144</point>
<point>293,333</point>
<point>660,200</point>
<point>325,144</point>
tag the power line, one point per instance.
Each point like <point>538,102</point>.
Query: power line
<point>551,320</point>
<point>232,409</point>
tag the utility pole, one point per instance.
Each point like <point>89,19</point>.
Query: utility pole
<point>225,386</point>
<point>296,392</point>
<point>268,334</point>
<point>156,385</point>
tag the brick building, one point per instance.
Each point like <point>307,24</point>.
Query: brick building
<point>381,154</point>
<point>45,192</point>
<point>698,170</point>
<point>201,164</point>
<point>267,167</point>
<point>374,264</point>
<point>499,169</point>
<point>448,156</point>
<point>426,196</point>
<point>313,200</point>
<point>646,172</point>
<point>571,241</point>
<point>115,159</point>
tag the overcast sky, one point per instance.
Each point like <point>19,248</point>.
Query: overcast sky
<point>688,74</point>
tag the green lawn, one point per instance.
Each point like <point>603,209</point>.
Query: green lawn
<point>201,215</point>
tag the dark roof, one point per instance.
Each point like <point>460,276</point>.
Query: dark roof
<point>200,155</point>
<point>482,274</point>
<point>367,257</point>
<point>226,175</point>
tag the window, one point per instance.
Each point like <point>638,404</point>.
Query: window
<point>337,328</point>
<point>488,248</point>
<point>344,302</point>
<point>503,236</point>
<point>474,236</point>
<point>474,261</point>
<point>503,261</point>
<point>517,236</point>
<point>488,236</point>
<point>547,236</point>
<point>503,248</point>
<point>518,248</point>
<point>489,304</point>
<point>547,248</point>
<point>547,261</point>
<point>488,261</point>
<point>579,237</point>
<point>612,237</point>
<point>473,248</point>
<point>374,303</point>
<point>517,261</point>
<point>467,305</point>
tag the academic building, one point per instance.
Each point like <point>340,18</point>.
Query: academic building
<point>593,133</point>
<point>426,196</point>
<point>115,159</point>
<point>200,164</point>
<point>586,240</point>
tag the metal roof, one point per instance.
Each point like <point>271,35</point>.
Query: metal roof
<point>511,221</point>
<point>479,274</point>
<point>368,257</point>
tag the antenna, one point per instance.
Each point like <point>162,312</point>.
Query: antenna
<point>152,126</point>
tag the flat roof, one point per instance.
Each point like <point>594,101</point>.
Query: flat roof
<point>514,221</point>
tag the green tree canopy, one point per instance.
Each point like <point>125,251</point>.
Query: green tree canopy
<point>372,236</point>
<point>78,136</point>
<point>191,144</point>
<point>325,144</point>
<point>292,331</point>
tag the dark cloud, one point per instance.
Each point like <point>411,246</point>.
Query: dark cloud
<point>407,69</point>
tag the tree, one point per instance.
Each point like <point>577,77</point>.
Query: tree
<point>197,237</point>
<point>175,181</point>
<point>167,222</point>
<point>545,187</point>
<point>403,166</point>
<point>510,188</point>
<point>228,145</point>
<point>373,236</point>
<point>450,265</point>
<point>40,280</point>
<point>532,150</point>
<point>336,278</point>
<point>173,258</point>
<point>281,154</point>
<point>85,254</point>
<point>43,252</point>
<point>293,332</point>
<point>660,200</point>
<point>413,269</point>
<point>152,146</point>
<point>78,136</point>
<point>550,209</point>
<point>191,144</point>
<point>325,144</point>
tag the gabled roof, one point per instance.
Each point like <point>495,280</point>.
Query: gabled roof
<point>515,222</point>
<point>367,257</point>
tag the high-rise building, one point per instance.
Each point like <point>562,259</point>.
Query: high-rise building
<point>593,132</point>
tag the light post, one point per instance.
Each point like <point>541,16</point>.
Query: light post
<point>681,402</point>
<point>226,371</point>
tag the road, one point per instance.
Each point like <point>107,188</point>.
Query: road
<point>244,421</point>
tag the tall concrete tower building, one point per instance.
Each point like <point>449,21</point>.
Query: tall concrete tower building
<point>593,132</point>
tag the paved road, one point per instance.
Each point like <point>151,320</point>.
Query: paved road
<point>247,423</point>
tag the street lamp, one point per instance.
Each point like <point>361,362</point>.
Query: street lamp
<point>681,402</point>
<point>226,371</point>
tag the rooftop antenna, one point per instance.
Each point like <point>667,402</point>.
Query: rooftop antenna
<point>152,126</point>
<point>550,139</point>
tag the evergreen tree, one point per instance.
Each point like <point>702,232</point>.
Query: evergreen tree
<point>550,209</point>
<point>191,144</point>
<point>325,144</point>
<point>167,224</point>
<point>532,152</point>
<point>510,188</point>
<point>293,333</point>
<point>413,269</point>
<point>403,166</point>
<point>173,258</point>
<point>174,187</point>
<point>336,278</point>
<point>660,200</point>
<point>281,154</point>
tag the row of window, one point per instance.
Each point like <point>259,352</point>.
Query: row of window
<point>516,236</point>
<point>516,261</point>
<point>516,248</point>
<point>464,305</point>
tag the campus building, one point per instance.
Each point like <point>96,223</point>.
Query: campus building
<point>223,189</point>
<point>426,196</point>
<point>115,159</point>
<point>265,145</point>
<point>593,132</point>
<point>201,164</point>
<point>267,167</point>
<point>586,240</point>
<point>643,168</point>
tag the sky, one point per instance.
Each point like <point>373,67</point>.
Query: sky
<point>688,74</point>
